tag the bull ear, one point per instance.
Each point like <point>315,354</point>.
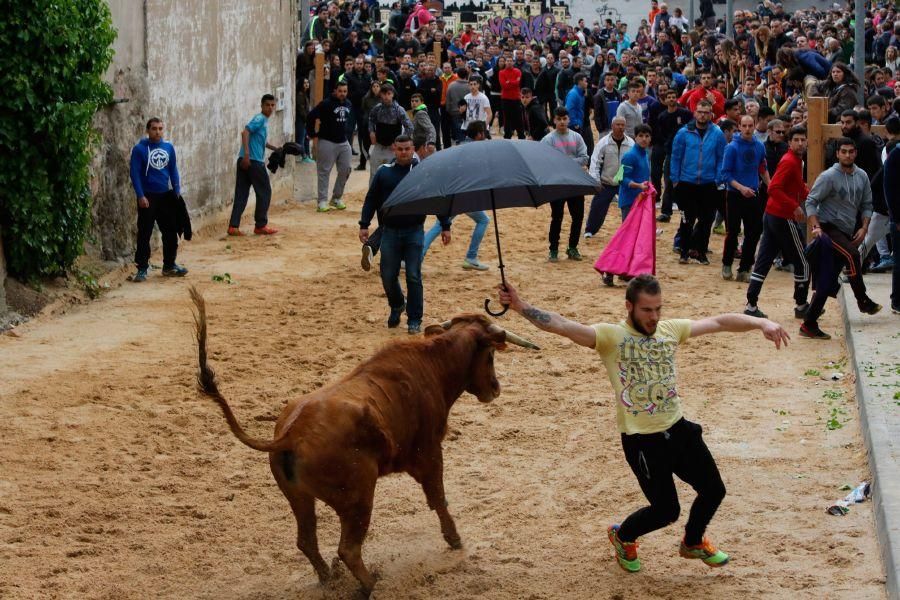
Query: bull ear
<point>496,338</point>
<point>433,330</point>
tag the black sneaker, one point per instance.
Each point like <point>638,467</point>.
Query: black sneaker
<point>801,310</point>
<point>895,310</point>
<point>573,254</point>
<point>702,259</point>
<point>608,280</point>
<point>755,312</point>
<point>813,332</point>
<point>414,328</point>
<point>676,249</point>
<point>361,168</point>
<point>663,218</point>
<point>683,260</point>
<point>179,271</point>
<point>394,318</point>
<point>869,307</point>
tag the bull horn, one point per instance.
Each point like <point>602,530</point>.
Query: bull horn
<point>446,324</point>
<point>512,338</point>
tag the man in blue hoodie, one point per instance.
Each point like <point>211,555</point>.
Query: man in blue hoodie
<point>697,153</point>
<point>157,185</point>
<point>743,164</point>
<point>635,170</point>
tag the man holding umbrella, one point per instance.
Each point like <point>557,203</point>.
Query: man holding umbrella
<point>402,239</point>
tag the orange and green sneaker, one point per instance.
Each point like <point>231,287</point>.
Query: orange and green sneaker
<point>626,552</point>
<point>705,552</point>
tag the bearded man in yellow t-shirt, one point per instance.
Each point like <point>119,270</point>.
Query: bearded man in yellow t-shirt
<point>639,354</point>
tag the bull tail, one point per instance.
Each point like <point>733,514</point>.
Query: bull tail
<point>206,378</point>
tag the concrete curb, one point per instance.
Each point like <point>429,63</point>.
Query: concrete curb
<point>879,420</point>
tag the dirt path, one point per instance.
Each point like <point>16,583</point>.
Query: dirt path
<point>118,481</point>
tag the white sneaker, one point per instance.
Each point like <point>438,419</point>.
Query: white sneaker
<point>474,265</point>
<point>367,256</point>
<point>588,235</point>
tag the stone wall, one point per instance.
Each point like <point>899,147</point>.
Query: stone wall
<point>201,67</point>
<point>2,279</point>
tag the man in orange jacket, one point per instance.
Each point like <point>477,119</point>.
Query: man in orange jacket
<point>447,77</point>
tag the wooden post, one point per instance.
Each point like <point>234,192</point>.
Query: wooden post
<point>817,116</point>
<point>319,89</point>
<point>437,57</point>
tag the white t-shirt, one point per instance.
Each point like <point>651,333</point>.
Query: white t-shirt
<point>476,108</point>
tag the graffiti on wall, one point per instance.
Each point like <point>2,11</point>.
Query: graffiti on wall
<point>534,29</point>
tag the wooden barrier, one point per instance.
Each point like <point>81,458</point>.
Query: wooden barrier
<point>819,132</point>
<point>319,87</point>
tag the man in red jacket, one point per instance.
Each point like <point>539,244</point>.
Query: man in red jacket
<point>787,192</point>
<point>511,101</point>
<point>706,91</point>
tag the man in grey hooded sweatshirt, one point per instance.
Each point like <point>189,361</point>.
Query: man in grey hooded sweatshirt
<point>838,195</point>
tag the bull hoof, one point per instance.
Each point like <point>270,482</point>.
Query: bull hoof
<point>337,568</point>
<point>454,542</point>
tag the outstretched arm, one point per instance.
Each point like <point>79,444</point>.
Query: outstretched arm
<point>582,335</point>
<point>735,323</point>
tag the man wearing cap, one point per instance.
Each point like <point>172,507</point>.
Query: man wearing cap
<point>387,120</point>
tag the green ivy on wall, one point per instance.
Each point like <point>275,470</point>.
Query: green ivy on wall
<point>53,54</point>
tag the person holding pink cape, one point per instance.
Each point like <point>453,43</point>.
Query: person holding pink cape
<point>632,250</point>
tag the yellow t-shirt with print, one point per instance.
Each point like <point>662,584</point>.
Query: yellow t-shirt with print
<point>642,372</point>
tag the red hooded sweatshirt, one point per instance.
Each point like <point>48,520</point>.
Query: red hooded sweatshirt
<point>787,188</point>
<point>510,78</point>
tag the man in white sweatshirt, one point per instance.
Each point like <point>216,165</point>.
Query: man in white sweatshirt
<point>572,144</point>
<point>605,162</point>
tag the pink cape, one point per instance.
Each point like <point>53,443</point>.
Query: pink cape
<point>632,250</point>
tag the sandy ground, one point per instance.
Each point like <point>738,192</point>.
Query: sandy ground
<point>117,480</point>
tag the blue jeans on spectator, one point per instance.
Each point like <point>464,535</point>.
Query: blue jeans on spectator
<point>403,245</point>
<point>625,210</point>
<point>895,275</point>
<point>599,208</point>
<point>481,223</point>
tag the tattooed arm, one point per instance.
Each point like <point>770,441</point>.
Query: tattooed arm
<point>582,335</point>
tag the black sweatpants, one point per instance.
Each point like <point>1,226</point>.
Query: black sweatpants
<point>779,235</point>
<point>698,207</point>
<point>668,198</point>
<point>657,160</point>
<point>163,211</point>
<point>513,121</point>
<point>576,211</point>
<point>655,458</point>
<point>748,211</point>
<point>845,253</point>
<point>257,177</point>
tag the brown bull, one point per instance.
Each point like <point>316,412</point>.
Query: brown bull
<point>389,415</point>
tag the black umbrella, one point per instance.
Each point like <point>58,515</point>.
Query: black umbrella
<point>486,176</point>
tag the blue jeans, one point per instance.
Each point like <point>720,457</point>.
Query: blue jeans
<point>625,210</point>
<point>403,245</point>
<point>599,208</point>
<point>481,223</point>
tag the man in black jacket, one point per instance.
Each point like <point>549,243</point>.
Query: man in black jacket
<point>535,121</point>
<point>667,125</point>
<point>330,145</point>
<point>358,84</point>
<point>867,155</point>
<point>545,86</point>
<point>402,239</point>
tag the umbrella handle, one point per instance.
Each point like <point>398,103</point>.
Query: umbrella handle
<point>487,303</point>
